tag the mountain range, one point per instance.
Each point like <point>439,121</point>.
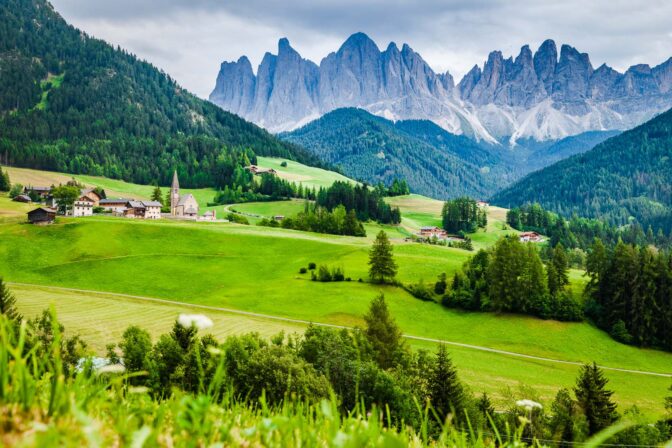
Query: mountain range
<point>545,95</point>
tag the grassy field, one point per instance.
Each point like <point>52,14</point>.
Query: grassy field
<point>256,269</point>
<point>306,175</point>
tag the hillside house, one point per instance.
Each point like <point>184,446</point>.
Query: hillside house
<point>117,205</point>
<point>152,209</point>
<point>42,215</point>
<point>482,204</point>
<point>258,171</point>
<point>142,209</point>
<point>432,231</point>
<point>42,192</point>
<point>83,207</point>
<point>530,237</point>
<point>92,194</point>
<point>22,198</point>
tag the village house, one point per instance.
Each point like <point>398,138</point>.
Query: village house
<point>482,204</point>
<point>117,205</point>
<point>432,231</point>
<point>42,192</point>
<point>152,209</point>
<point>530,237</point>
<point>258,171</point>
<point>42,215</point>
<point>83,207</point>
<point>22,198</point>
<point>210,215</point>
<point>92,194</point>
<point>183,206</point>
<point>143,209</point>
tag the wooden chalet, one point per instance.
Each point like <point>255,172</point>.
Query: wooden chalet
<point>42,215</point>
<point>258,171</point>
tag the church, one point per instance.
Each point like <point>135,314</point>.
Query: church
<point>182,206</point>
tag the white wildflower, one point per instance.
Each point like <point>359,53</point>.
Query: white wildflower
<point>138,390</point>
<point>528,405</point>
<point>111,368</point>
<point>199,321</point>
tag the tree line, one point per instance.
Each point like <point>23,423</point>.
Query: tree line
<point>463,215</point>
<point>368,204</point>
<point>579,232</point>
<point>318,219</point>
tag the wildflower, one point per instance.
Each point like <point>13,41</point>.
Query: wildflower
<point>199,321</point>
<point>111,368</point>
<point>529,405</point>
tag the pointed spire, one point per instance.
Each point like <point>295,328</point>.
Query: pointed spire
<point>176,183</point>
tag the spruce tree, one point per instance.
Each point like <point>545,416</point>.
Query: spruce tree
<point>566,424</point>
<point>445,389</point>
<point>594,399</point>
<point>383,333</point>
<point>5,184</point>
<point>157,195</point>
<point>381,260</point>
<point>561,265</point>
<point>8,303</point>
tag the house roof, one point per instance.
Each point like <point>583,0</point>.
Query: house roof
<point>114,201</point>
<point>22,197</point>
<point>45,209</point>
<point>85,198</point>
<point>37,188</point>
<point>152,204</point>
<point>136,204</point>
<point>183,199</point>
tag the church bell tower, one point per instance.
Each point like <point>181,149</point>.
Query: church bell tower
<point>174,194</point>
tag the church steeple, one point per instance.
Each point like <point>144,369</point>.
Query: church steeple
<point>174,194</point>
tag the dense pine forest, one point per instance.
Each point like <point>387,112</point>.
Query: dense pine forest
<point>75,104</point>
<point>624,178</point>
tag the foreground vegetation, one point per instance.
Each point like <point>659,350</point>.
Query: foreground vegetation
<point>329,386</point>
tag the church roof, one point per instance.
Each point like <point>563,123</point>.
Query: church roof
<point>176,183</point>
<point>183,199</point>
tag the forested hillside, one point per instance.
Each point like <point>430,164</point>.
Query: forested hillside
<point>72,103</point>
<point>433,161</point>
<point>628,176</point>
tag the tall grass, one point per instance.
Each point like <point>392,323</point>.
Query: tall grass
<point>42,406</point>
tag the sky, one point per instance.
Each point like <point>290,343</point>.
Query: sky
<point>190,38</point>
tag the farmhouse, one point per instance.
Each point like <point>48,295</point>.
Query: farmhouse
<point>42,215</point>
<point>482,204</point>
<point>143,209</point>
<point>83,206</point>
<point>258,171</point>
<point>117,205</point>
<point>530,237</point>
<point>42,192</point>
<point>94,195</point>
<point>431,232</point>
<point>182,206</point>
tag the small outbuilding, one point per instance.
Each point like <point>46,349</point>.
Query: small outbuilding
<point>42,215</point>
<point>22,198</point>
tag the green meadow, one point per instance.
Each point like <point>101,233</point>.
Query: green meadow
<point>256,269</point>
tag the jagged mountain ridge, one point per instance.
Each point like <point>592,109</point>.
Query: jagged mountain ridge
<point>544,95</point>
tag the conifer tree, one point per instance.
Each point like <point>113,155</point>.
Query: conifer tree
<point>561,265</point>
<point>382,267</point>
<point>566,424</point>
<point>383,333</point>
<point>156,195</point>
<point>8,303</point>
<point>445,389</point>
<point>5,184</point>
<point>594,399</point>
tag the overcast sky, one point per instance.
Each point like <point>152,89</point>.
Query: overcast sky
<point>190,38</point>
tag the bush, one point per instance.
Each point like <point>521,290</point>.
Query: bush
<point>311,266</point>
<point>420,291</point>
<point>284,164</point>
<point>620,332</point>
<point>99,210</point>
<point>16,190</point>
<point>238,219</point>
<point>323,274</point>
<point>303,270</point>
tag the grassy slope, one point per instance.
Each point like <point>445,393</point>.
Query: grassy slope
<point>296,172</point>
<point>249,268</point>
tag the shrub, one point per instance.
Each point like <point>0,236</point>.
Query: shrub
<point>620,332</point>
<point>284,164</point>
<point>238,219</point>
<point>303,270</point>
<point>323,274</point>
<point>16,190</point>
<point>420,291</point>
<point>311,266</point>
<point>337,275</point>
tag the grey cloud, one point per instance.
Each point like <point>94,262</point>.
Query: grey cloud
<point>189,39</point>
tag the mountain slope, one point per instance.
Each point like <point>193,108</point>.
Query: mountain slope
<point>72,103</point>
<point>545,95</point>
<point>629,175</point>
<point>374,149</point>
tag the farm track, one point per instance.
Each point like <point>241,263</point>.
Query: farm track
<point>305,322</point>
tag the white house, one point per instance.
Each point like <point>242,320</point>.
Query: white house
<point>114,205</point>
<point>83,207</point>
<point>152,209</point>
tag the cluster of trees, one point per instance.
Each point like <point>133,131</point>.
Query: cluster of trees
<point>75,104</point>
<point>318,219</point>
<point>630,293</point>
<point>363,368</point>
<point>581,232</point>
<point>245,187</point>
<point>324,274</point>
<point>5,184</point>
<point>367,203</point>
<point>397,188</point>
<point>511,277</point>
<point>463,215</point>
